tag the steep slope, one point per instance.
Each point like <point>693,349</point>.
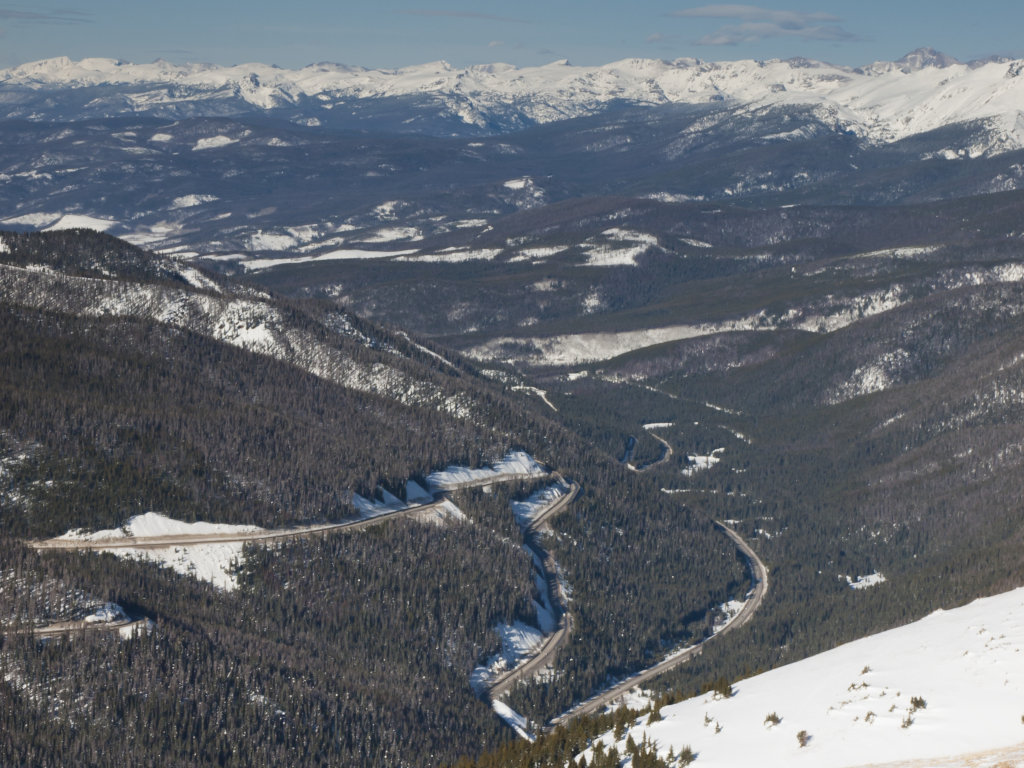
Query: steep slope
<point>942,691</point>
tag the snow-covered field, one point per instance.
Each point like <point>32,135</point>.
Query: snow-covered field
<point>515,464</point>
<point>254,265</point>
<point>944,691</point>
<point>700,463</point>
<point>525,511</point>
<point>209,562</point>
<point>518,642</point>
<point>618,248</point>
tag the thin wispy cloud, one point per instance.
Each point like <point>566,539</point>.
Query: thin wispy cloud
<point>56,16</point>
<point>756,23</point>
<point>462,15</point>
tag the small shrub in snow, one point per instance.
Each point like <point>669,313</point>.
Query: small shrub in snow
<point>772,719</point>
<point>916,703</point>
<point>722,688</point>
<point>804,738</point>
<point>685,757</point>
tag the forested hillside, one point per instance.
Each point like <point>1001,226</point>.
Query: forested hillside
<point>133,384</point>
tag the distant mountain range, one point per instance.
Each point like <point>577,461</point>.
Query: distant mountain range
<point>883,102</point>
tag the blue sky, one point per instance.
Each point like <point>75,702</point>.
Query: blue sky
<point>395,33</point>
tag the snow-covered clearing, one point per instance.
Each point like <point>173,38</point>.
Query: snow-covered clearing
<point>915,696</point>
<point>272,241</point>
<point>519,642</point>
<point>391,234</point>
<point>730,611</point>
<point>526,511</point>
<point>191,201</point>
<point>617,248</point>
<point>213,142</point>
<point>212,562</point>
<point>865,582</point>
<point>575,349</point>
<point>699,463</point>
<point>453,256</point>
<point>541,393</point>
<point>539,253</point>
<point>515,464</point>
<point>517,722</point>
<point>52,222</point>
<point>252,265</point>
<point>386,503</point>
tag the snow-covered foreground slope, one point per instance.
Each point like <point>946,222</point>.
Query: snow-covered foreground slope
<point>944,691</point>
<point>884,101</point>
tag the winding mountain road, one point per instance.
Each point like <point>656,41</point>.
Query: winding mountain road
<point>546,653</point>
<point>233,537</point>
<point>759,573</point>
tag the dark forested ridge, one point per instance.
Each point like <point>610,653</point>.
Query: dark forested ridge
<point>131,385</point>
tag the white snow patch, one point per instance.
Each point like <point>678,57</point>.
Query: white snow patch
<point>108,613</point>
<point>525,511</point>
<point>375,507</point>
<point>659,425</point>
<point>700,463</point>
<point>161,137</point>
<point>392,234</point>
<point>416,493</point>
<point>191,201</point>
<point>253,265</point>
<point>575,349</point>
<point>515,464</point>
<point>516,721</point>
<point>32,219</point>
<point>865,582</point>
<point>209,562</point>
<point>77,221</point>
<point>538,253</point>
<point>874,377</point>
<point>519,642</point>
<point>271,241</point>
<point>197,279</point>
<point>154,524</point>
<point>522,183</point>
<point>388,210</point>
<point>620,248</point>
<point>455,256</point>
<point>730,611</point>
<point>213,142</point>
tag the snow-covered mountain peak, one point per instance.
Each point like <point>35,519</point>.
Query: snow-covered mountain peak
<point>886,101</point>
<point>925,57</point>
